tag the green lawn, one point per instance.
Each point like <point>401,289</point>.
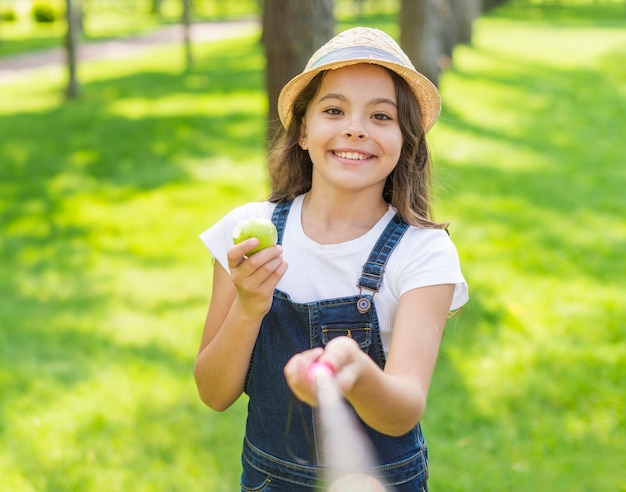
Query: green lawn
<point>105,19</point>
<point>104,284</point>
<point>529,393</point>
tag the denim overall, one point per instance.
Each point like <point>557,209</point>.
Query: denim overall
<point>281,445</point>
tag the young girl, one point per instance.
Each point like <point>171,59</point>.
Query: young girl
<point>362,279</point>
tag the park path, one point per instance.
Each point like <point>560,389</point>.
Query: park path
<point>12,66</point>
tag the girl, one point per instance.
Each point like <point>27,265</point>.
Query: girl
<point>362,279</point>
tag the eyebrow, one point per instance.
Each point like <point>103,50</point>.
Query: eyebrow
<point>341,97</point>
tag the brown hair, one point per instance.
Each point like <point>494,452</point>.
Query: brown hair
<point>407,187</point>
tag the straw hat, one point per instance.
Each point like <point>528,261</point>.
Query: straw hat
<point>363,45</point>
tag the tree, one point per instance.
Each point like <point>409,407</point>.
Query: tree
<point>186,20</point>
<point>292,31</point>
<point>430,29</point>
<point>490,4</point>
<point>469,10</point>
<point>72,13</point>
<point>421,28</point>
<point>458,19</point>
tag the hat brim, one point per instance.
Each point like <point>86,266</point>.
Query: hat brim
<point>423,89</point>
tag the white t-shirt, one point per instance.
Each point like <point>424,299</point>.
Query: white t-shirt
<point>325,271</point>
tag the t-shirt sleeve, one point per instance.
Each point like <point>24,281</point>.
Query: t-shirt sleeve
<point>219,238</point>
<point>431,258</point>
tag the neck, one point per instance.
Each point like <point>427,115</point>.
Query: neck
<point>336,218</point>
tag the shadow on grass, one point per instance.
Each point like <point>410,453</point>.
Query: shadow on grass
<point>74,446</point>
<point>547,197</point>
<point>565,175</point>
<point>15,47</point>
<point>88,146</point>
<point>59,285</point>
<point>526,423</point>
<point>138,149</point>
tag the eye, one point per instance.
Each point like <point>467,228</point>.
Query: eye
<point>381,116</point>
<point>333,111</point>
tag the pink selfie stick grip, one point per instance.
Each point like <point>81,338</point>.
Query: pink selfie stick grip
<point>318,369</point>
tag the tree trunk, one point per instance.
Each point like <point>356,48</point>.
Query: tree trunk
<point>421,38</point>
<point>448,11</point>
<point>292,31</point>
<point>430,29</point>
<point>71,47</point>
<point>470,10</point>
<point>457,22</point>
<point>490,4</point>
<point>187,34</point>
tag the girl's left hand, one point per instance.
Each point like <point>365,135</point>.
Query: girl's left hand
<point>297,374</point>
<point>342,354</point>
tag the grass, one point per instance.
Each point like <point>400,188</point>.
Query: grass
<point>533,177</point>
<point>107,19</point>
<point>104,284</point>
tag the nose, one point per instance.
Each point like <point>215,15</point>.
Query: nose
<point>355,129</point>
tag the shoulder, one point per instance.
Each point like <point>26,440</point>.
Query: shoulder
<point>427,241</point>
<point>246,211</point>
<point>252,209</point>
<point>218,238</point>
<point>425,257</point>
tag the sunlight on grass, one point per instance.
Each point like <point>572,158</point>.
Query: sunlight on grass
<point>88,438</point>
<point>535,197</point>
<point>565,47</point>
<point>37,91</point>
<point>103,221</point>
<point>181,104</point>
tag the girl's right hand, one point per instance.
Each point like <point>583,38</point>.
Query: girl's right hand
<point>256,276</point>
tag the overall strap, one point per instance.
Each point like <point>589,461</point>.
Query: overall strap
<point>279,218</point>
<point>374,267</point>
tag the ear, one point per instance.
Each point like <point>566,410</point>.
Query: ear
<point>302,141</point>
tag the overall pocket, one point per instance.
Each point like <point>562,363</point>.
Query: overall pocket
<point>360,332</point>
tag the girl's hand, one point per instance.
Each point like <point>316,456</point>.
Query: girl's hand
<point>255,277</point>
<point>297,374</point>
<point>342,354</point>
<point>348,361</point>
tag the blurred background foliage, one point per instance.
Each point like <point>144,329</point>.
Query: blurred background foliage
<point>103,19</point>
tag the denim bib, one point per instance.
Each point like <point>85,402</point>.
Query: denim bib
<point>282,447</point>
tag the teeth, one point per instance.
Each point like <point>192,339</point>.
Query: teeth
<point>351,155</point>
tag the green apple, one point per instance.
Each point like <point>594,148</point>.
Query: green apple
<point>263,229</point>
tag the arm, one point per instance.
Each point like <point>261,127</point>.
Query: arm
<point>238,304</point>
<point>392,401</point>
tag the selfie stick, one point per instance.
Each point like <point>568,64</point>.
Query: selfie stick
<point>347,453</point>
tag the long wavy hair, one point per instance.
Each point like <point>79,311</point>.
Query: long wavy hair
<point>407,187</point>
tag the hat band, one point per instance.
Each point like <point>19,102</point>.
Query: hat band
<point>356,52</point>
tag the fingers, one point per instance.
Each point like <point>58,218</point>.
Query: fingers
<point>340,352</point>
<point>296,374</point>
<point>297,367</point>
<point>264,262</point>
<point>346,357</point>
<point>237,254</point>
<point>255,277</point>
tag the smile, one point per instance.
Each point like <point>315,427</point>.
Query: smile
<point>354,156</point>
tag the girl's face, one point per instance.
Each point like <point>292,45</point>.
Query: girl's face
<point>351,129</point>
